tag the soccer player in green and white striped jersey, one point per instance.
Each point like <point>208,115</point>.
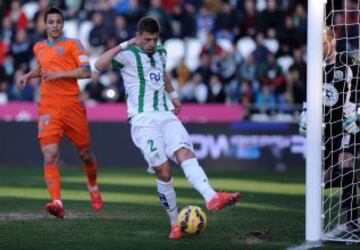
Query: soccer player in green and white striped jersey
<point>155,129</point>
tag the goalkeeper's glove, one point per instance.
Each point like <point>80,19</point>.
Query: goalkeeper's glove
<point>350,124</point>
<point>302,121</point>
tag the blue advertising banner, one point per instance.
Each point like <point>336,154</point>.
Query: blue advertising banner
<point>249,145</point>
<point>235,145</point>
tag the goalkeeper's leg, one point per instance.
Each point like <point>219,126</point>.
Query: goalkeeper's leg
<point>349,187</point>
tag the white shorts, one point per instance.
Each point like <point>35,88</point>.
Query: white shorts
<point>158,135</point>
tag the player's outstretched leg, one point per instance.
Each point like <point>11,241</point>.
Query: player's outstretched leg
<point>55,208</point>
<point>197,177</point>
<point>349,190</point>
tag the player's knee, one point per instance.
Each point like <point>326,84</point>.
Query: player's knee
<point>86,156</point>
<point>50,157</point>
<point>164,176</point>
<point>163,173</point>
<point>183,154</point>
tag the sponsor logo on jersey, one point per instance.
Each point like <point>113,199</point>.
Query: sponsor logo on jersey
<point>331,95</point>
<point>154,75</point>
<point>60,51</point>
<point>338,75</point>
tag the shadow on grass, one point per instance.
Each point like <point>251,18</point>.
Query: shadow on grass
<point>125,225</point>
<point>129,226</point>
<point>293,177</point>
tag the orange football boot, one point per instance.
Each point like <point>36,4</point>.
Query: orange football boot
<point>95,199</point>
<point>56,209</point>
<point>175,233</point>
<point>221,200</point>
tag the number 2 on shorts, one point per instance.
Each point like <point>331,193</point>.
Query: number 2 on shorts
<point>151,144</point>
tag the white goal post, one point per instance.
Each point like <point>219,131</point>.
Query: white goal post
<point>332,174</point>
<point>314,119</point>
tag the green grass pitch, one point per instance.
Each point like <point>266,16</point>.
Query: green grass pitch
<point>270,214</point>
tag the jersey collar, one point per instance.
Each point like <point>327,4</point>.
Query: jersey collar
<point>139,49</point>
<point>142,51</point>
<point>61,38</point>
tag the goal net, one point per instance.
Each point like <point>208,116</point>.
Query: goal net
<point>341,89</point>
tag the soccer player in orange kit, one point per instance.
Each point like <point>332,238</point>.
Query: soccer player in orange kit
<point>61,61</point>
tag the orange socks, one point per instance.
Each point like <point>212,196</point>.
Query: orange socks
<point>52,180</point>
<point>91,173</point>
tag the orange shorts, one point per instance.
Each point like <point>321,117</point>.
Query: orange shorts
<point>57,119</point>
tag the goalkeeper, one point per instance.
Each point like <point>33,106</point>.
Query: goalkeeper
<point>341,121</point>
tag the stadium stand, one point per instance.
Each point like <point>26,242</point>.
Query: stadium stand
<point>240,29</point>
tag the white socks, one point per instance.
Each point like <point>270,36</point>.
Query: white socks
<point>198,179</point>
<point>167,197</point>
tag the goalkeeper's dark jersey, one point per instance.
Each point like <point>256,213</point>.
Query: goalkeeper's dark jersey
<point>340,101</point>
<point>339,92</point>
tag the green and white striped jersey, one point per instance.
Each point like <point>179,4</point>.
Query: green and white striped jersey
<point>143,76</point>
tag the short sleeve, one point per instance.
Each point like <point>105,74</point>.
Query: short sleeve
<point>80,54</point>
<point>119,61</point>
<point>163,54</point>
<point>163,59</point>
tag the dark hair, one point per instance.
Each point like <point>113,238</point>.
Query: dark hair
<point>53,10</point>
<point>148,24</point>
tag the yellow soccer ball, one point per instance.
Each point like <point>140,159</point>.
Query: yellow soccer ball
<point>192,220</point>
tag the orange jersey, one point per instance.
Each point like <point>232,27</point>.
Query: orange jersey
<point>64,54</point>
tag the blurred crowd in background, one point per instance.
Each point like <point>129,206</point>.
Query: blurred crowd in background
<point>250,52</point>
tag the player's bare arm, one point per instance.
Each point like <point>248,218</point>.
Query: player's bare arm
<point>25,78</point>
<point>173,95</point>
<point>79,73</point>
<point>104,61</point>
